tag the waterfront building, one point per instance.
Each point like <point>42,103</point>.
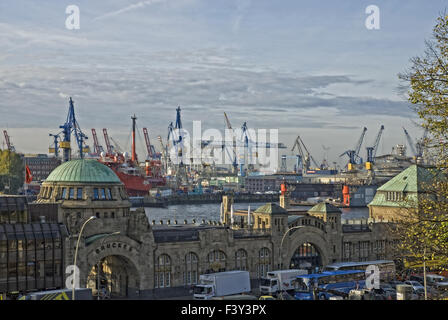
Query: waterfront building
<point>122,251</point>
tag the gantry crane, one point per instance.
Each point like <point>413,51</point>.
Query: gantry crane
<point>55,148</point>
<point>70,127</point>
<point>302,157</point>
<point>419,145</point>
<point>97,148</point>
<point>353,155</point>
<point>109,150</point>
<point>9,145</point>
<point>371,151</point>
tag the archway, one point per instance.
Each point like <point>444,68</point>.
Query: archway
<point>113,276</point>
<point>306,256</point>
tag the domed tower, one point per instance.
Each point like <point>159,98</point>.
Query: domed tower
<point>84,188</point>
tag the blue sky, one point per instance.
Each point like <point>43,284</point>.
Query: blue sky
<point>305,67</point>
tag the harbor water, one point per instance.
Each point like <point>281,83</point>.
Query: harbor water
<point>211,212</point>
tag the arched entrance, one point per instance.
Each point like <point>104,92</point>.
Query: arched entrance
<point>306,256</point>
<point>113,276</point>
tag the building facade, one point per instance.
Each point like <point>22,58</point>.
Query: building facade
<point>121,252</point>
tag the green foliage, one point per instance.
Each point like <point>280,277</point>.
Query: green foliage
<point>12,172</point>
<point>423,232</point>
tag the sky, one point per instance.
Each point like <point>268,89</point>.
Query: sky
<point>308,68</point>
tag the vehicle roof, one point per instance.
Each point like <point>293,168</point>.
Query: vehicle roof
<point>345,264</point>
<point>329,273</point>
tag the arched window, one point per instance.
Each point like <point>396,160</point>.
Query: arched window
<point>241,260</point>
<point>216,261</point>
<point>162,271</point>
<point>191,272</point>
<point>264,262</point>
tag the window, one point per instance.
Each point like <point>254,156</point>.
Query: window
<point>64,193</point>
<point>103,194</point>
<point>216,261</point>
<point>191,268</point>
<point>79,194</point>
<point>71,193</point>
<point>95,193</point>
<point>264,262</point>
<point>163,272</point>
<point>109,193</point>
<point>241,260</point>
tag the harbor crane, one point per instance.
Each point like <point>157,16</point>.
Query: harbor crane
<point>305,158</point>
<point>55,148</point>
<point>234,161</point>
<point>70,127</point>
<point>152,154</point>
<point>109,147</point>
<point>417,147</point>
<point>353,155</point>
<point>97,148</point>
<point>9,145</point>
<point>371,151</point>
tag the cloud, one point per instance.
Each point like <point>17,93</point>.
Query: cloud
<point>131,7</point>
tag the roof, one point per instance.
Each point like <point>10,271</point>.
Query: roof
<point>293,218</point>
<point>83,171</point>
<point>271,208</point>
<point>324,207</point>
<point>410,180</point>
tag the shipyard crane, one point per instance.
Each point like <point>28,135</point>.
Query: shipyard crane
<point>164,154</point>
<point>353,155</point>
<point>371,151</point>
<point>410,142</point>
<point>9,145</point>
<point>229,127</point>
<point>55,148</point>
<point>108,145</point>
<point>70,127</point>
<point>152,155</point>
<point>416,148</point>
<point>97,148</point>
<point>174,130</point>
<point>305,158</point>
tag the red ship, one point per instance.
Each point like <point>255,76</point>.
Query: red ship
<point>137,181</point>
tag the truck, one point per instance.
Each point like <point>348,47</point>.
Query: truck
<point>269,285</point>
<point>222,284</point>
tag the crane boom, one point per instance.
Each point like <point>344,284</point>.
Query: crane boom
<point>106,139</point>
<point>377,140</point>
<point>148,143</point>
<point>97,148</point>
<point>410,142</point>
<point>358,145</point>
<point>8,142</point>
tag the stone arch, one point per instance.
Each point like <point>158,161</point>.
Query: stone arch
<point>216,261</point>
<point>191,268</point>
<point>163,271</point>
<point>122,255</point>
<point>311,235</point>
<point>264,260</point>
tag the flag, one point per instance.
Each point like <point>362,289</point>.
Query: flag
<point>28,175</point>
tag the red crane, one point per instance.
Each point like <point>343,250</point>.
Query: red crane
<point>96,146</point>
<point>108,145</point>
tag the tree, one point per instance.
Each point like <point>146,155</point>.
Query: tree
<point>12,172</point>
<point>422,229</point>
<point>427,80</point>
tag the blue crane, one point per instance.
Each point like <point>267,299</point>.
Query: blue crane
<point>172,130</point>
<point>55,149</point>
<point>353,155</point>
<point>371,151</point>
<point>71,126</point>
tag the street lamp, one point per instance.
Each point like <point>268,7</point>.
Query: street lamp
<point>76,254</point>
<point>281,249</point>
<point>98,264</point>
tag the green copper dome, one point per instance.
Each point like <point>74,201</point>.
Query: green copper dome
<point>83,171</point>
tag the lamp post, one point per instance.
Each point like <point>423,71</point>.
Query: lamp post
<point>76,254</point>
<point>281,248</point>
<point>98,264</point>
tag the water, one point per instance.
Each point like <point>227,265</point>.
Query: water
<point>210,211</point>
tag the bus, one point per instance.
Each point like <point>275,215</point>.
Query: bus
<point>387,267</point>
<point>327,283</point>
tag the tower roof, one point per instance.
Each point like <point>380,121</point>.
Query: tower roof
<point>271,208</point>
<point>410,180</point>
<point>324,207</point>
<point>83,171</point>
